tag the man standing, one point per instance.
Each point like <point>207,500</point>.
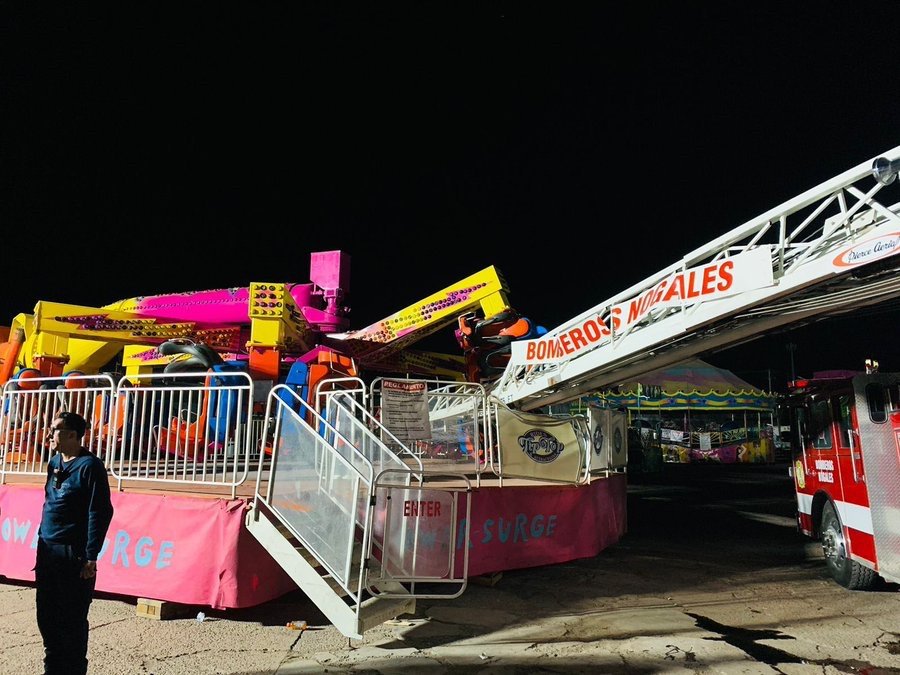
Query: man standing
<point>76,516</point>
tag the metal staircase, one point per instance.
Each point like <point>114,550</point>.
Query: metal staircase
<point>329,515</point>
<point>348,613</point>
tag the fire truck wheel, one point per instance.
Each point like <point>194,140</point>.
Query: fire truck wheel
<point>848,573</point>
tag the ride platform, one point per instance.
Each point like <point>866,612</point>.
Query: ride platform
<point>190,544</point>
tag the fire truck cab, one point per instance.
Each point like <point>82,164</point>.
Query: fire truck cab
<point>846,470</point>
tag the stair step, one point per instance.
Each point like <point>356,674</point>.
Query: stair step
<point>335,585</point>
<point>375,611</point>
<point>307,555</point>
<point>304,552</point>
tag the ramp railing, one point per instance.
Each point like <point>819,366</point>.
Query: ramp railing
<point>325,493</point>
<point>319,489</point>
<point>368,434</point>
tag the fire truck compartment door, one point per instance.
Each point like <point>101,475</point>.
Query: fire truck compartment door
<point>878,442</point>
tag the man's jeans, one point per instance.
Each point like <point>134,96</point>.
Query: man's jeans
<point>63,600</point>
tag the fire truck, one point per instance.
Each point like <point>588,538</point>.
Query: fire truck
<point>846,470</point>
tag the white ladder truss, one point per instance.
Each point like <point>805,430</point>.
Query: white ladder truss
<point>802,237</point>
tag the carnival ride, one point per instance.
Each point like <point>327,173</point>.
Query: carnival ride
<point>218,387</point>
<point>267,327</point>
<point>289,419</point>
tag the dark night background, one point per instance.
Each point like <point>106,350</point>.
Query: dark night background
<point>160,148</point>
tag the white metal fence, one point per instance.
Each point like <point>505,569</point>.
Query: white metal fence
<point>185,428</point>
<point>194,428</point>
<point>28,407</point>
<point>201,430</point>
<point>459,431</point>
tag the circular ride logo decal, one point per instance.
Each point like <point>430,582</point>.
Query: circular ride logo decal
<point>598,440</point>
<point>617,443</point>
<point>540,446</point>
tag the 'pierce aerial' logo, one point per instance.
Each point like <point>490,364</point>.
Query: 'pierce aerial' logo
<point>867,251</point>
<point>540,446</point>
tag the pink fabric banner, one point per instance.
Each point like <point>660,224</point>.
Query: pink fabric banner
<point>189,550</point>
<point>197,551</point>
<point>527,526</point>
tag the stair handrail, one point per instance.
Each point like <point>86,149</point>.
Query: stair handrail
<point>278,395</point>
<point>342,396</point>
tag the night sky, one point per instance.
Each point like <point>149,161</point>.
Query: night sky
<point>162,148</point>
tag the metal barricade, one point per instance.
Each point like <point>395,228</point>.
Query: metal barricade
<point>27,411</point>
<point>415,534</point>
<point>531,446</point>
<point>459,433</point>
<point>186,428</point>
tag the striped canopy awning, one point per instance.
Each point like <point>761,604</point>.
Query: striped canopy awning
<point>691,385</point>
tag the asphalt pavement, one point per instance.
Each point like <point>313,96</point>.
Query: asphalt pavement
<point>712,577</point>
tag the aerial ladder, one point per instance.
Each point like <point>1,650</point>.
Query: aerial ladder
<point>827,251</point>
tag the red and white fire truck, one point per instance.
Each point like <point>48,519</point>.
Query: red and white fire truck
<point>846,469</point>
